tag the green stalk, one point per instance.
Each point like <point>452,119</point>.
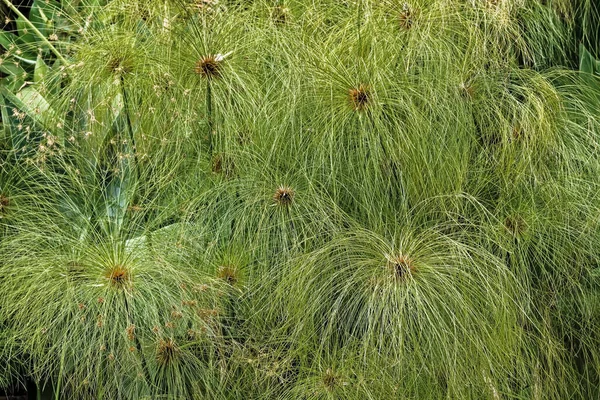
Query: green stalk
<point>359,26</point>
<point>209,116</point>
<point>138,345</point>
<point>58,381</point>
<point>14,9</point>
<point>129,126</point>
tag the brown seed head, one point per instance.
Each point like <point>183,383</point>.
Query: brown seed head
<point>134,208</point>
<point>223,164</point>
<point>189,303</point>
<point>280,15</point>
<point>517,131</point>
<point>401,266</point>
<point>119,276</point>
<point>207,313</point>
<point>200,288</point>
<point>360,97</point>
<point>516,225</point>
<point>4,202</point>
<point>206,5</point>
<point>192,334</point>
<point>228,273</point>
<point>118,65</point>
<point>406,17</point>
<point>130,332</point>
<point>166,351</point>
<point>329,379</point>
<point>209,67</point>
<point>284,195</point>
<point>466,90</point>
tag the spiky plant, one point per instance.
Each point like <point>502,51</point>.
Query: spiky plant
<point>302,200</point>
<point>391,297</point>
<point>116,319</point>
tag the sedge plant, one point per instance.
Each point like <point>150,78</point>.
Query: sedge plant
<point>283,199</point>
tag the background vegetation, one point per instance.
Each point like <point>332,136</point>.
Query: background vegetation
<point>287,199</point>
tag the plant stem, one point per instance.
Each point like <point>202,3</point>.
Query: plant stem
<point>209,116</point>
<point>138,345</point>
<point>129,126</point>
<point>10,5</point>
<point>359,26</point>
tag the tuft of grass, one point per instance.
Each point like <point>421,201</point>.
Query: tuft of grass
<point>304,200</point>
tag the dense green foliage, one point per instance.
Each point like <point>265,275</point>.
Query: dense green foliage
<point>300,199</point>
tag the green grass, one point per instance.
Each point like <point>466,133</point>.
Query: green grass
<point>305,200</point>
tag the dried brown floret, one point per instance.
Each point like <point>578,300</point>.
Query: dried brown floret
<point>284,195</point>
<point>401,266</point>
<point>360,97</point>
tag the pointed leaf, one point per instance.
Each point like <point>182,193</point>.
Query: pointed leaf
<point>11,68</point>
<point>7,39</point>
<point>41,70</point>
<point>24,142</point>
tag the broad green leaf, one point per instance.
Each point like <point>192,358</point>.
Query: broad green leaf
<point>41,70</point>
<point>29,45</point>
<point>117,183</point>
<point>43,16</point>
<point>32,102</point>
<point>7,39</point>
<point>22,27</point>
<point>5,117</point>
<point>586,61</point>
<point>141,241</point>
<point>12,83</point>
<point>39,115</point>
<point>23,141</point>
<point>39,110</point>
<point>39,19</point>
<point>16,47</point>
<point>10,68</point>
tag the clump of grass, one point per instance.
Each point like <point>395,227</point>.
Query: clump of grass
<point>303,200</point>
